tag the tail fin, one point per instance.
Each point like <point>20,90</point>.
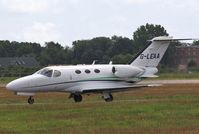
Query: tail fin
<point>151,55</point>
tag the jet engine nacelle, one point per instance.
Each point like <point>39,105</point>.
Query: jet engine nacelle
<point>126,71</point>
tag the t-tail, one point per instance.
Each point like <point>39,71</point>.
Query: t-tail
<point>149,58</point>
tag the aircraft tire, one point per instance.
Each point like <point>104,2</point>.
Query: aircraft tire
<point>109,99</point>
<point>31,100</point>
<point>77,98</point>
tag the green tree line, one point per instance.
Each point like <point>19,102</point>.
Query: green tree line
<point>101,49</point>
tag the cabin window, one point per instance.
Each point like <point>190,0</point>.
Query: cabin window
<point>77,71</point>
<point>97,71</point>
<point>56,73</point>
<point>47,72</point>
<point>87,71</point>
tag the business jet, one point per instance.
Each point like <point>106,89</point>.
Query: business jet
<point>87,79</point>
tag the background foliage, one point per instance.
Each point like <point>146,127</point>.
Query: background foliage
<point>101,49</point>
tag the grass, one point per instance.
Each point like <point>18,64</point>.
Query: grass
<point>167,109</point>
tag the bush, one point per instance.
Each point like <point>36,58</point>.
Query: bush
<point>16,71</point>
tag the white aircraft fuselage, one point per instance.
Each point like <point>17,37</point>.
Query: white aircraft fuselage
<point>73,78</point>
<point>86,79</point>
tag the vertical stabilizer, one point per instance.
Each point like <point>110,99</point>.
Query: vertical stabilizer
<point>151,55</point>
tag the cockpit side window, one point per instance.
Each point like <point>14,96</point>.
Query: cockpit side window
<point>56,73</point>
<point>47,72</point>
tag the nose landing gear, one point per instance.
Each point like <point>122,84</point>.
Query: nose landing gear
<point>31,100</point>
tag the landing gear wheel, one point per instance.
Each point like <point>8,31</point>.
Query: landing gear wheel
<point>77,97</point>
<point>31,100</point>
<point>109,99</point>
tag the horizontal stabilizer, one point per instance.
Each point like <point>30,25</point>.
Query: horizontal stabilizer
<point>171,39</point>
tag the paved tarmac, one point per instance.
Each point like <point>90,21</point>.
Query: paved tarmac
<point>170,82</point>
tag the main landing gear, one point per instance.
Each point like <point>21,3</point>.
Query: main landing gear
<point>31,100</point>
<point>76,97</point>
<point>108,97</point>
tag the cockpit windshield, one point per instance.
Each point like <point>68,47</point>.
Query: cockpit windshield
<point>46,72</point>
<point>49,72</point>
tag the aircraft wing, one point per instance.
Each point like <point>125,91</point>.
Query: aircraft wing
<point>99,87</point>
<point>112,89</point>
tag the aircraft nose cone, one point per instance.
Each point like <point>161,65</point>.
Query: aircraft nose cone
<point>11,86</point>
<point>18,84</point>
